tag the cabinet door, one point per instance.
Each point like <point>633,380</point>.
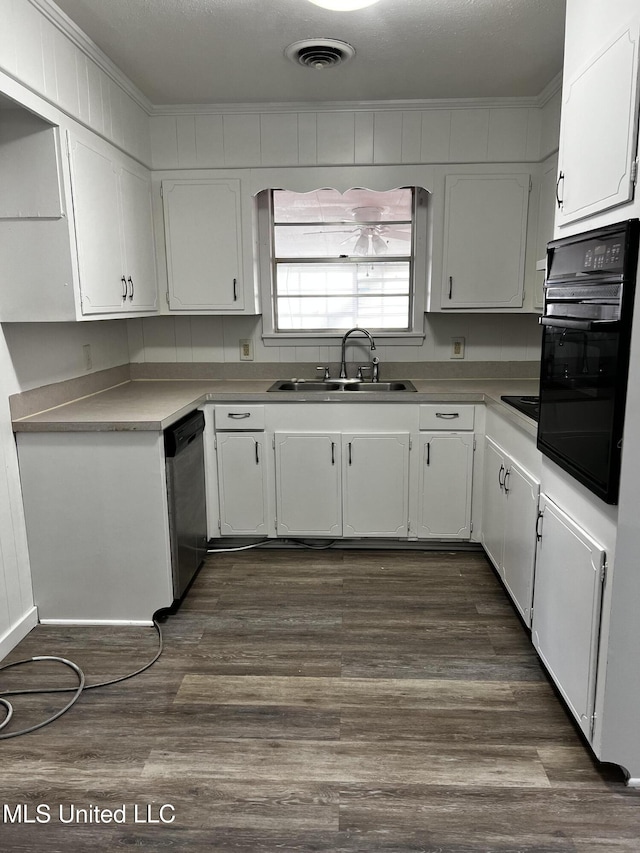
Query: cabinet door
<point>203,243</point>
<point>598,134</point>
<point>140,263</point>
<point>242,483</point>
<point>484,242</point>
<point>95,184</point>
<point>444,496</point>
<point>376,484</point>
<point>493,503</point>
<point>566,609</point>
<point>519,553</point>
<point>546,220</point>
<point>308,484</point>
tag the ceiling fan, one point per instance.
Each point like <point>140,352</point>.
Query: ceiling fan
<point>369,231</point>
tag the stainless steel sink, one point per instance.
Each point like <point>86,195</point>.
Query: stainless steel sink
<point>301,385</point>
<point>342,385</point>
<point>403,385</point>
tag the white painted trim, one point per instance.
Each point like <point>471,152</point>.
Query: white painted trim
<point>72,31</point>
<point>18,632</point>
<point>348,106</point>
<point>123,623</point>
<point>550,90</point>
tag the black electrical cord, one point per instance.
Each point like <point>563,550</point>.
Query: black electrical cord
<point>77,691</point>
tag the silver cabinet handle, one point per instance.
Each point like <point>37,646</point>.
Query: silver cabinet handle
<point>450,286</point>
<point>500,480</point>
<point>257,453</point>
<point>130,280</point>
<point>124,288</point>
<point>504,482</point>
<point>448,415</point>
<point>235,290</point>
<point>333,453</point>
<point>538,530</point>
<point>239,415</point>
<point>428,453</point>
<point>349,453</point>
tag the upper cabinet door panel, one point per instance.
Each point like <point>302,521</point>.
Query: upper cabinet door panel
<point>97,215</point>
<point>598,137</point>
<point>484,240</point>
<point>142,285</point>
<point>203,241</point>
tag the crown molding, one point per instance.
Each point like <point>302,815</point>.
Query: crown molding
<point>346,106</point>
<point>552,88</point>
<point>73,32</point>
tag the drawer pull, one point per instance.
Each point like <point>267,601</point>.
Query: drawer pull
<point>500,480</point>
<point>239,415</point>
<point>448,415</point>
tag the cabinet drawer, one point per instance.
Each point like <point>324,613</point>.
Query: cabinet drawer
<point>446,416</point>
<point>239,417</point>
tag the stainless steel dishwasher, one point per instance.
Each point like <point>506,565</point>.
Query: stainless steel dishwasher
<point>184,454</point>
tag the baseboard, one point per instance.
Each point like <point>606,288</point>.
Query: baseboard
<point>88,623</point>
<point>18,632</point>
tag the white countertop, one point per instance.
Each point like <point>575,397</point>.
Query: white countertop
<point>154,404</point>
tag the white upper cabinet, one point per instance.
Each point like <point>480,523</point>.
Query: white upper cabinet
<point>114,231</point>
<point>598,134</point>
<point>485,230</point>
<point>546,217</point>
<point>137,222</point>
<point>204,246</point>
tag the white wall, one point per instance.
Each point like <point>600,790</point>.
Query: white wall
<point>42,353</point>
<point>42,49</point>
<point>17,614</point>
<point>489,337</point>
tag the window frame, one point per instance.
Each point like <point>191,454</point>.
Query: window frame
<point>418,275</point>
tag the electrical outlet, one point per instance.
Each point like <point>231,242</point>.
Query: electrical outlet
<point>246,349</point>
<point>86,354</point>
<point>457,348</point>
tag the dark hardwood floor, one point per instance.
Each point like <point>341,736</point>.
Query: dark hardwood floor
<point>326,701</point>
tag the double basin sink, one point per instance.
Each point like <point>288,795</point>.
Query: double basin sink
<point>346,385</point>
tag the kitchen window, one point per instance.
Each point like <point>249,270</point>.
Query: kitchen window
<point>339,260</point>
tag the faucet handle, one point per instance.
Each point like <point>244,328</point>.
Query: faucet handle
<point>375,369</point>
<point>327,374</point>
<point>361,368</point>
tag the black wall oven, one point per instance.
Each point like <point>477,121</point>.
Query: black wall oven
<point>588,307</point>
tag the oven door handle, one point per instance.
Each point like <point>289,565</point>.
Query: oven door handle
<point>580,325</point>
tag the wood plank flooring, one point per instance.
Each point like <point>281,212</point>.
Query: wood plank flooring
<point>314,701</point>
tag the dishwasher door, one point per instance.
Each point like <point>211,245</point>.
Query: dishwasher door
<point>184,454</point>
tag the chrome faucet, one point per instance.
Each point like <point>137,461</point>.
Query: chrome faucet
<point>343,362</point>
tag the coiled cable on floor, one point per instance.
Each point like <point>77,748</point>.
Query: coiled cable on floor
<point>77,691</point>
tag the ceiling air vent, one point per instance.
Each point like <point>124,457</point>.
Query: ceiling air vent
<point>319,53</point>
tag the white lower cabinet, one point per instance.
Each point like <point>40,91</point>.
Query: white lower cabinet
<point>376,484</point>
<point>509,513</point>
<point>308,484</point>
<point>567,609</point>
<point>444,485</point>
<point>243,484</point>
<point>320,470</point>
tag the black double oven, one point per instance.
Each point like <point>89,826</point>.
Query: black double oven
<point>587,317</point>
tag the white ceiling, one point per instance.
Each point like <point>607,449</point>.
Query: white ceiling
<point>231,51</point>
